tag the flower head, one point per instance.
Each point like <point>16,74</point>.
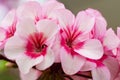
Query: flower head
<point>33,46</point>
<point>75,41</point>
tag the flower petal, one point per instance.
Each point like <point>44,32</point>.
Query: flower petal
<point>93,12</point>
<point>101,72</point>
<point>100,23</point>
<point>56,48</point>
<point>100,28</point>
<point>84,22</point>
<point>50,6</point>
<point>48,27</point>
<point>9,19</point>
<point>47,61</point>
<point>31,9</point>
<point>25,63</point>
<point>14,47</point>
<point>3,11</point>
<point>88,66</point>
<point>25,27</point>
<point>2,34</point>
<point>113,66</point>
<point>111,41</point>
<point>91,49</point>
<point>65,17</point>
<point>32,75</point>
<point>118,32</point>
<point>71,64</point>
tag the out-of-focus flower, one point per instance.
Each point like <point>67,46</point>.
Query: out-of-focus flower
<point>7,27</point>
<point>40,1</point>
<point>3,11</point>
<point>36,11</point>
<point>32,47</point>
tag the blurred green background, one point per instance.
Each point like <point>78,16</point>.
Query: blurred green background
<point>109,9</point>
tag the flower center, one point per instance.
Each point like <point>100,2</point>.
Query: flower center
<point>70,36</point>
<point>36,45</point>
<point>69,42</point>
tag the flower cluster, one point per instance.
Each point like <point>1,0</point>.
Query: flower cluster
<point>48,42</point>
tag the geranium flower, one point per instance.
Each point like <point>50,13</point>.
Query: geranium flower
<point>31,44</point>
<point>75,42</point>
<point>110,43</point>
<point>7,27</point>
<point>36,11</point>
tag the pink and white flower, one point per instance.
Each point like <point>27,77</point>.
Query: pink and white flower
<point>36,11</point>
<point>110,43</point>
<point>31,44</point>
<point>7,27</point>
<point>75,42</point>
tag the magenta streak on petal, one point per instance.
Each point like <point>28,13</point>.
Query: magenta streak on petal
<point>68,36</point>
<point>37,18</point>
<point>98,62</point>
<point>11,30</point>
<point>36,45</point>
